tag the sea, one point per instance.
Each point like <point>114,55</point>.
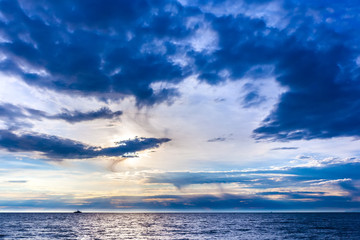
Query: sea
<point>180,226</point>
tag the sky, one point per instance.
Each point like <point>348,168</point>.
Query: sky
<point>164,105</point>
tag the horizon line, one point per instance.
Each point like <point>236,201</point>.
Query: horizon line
<point>182,211</point>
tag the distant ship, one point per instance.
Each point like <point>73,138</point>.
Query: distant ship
<point>77,211</point>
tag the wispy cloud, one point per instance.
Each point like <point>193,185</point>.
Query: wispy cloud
<point>17,114</point>
<point>17,181</point>
<point>284,148</point>
<point>77,116</point>
<point>218,139</point>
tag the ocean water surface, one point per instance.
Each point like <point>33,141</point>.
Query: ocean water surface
<point>180,226</point>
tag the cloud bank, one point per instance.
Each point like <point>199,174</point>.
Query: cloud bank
<point>56,148</point>
<point>334,173</point>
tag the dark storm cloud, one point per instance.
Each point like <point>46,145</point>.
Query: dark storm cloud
<point>115,49</point>
<point>244,44</point>
<point>105,49</point>
<point>321,74</point>
<point>15,114</point>
<point>57,148</point>
<point>319,68</point>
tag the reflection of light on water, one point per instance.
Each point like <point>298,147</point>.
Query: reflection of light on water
<point>178,225</point>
